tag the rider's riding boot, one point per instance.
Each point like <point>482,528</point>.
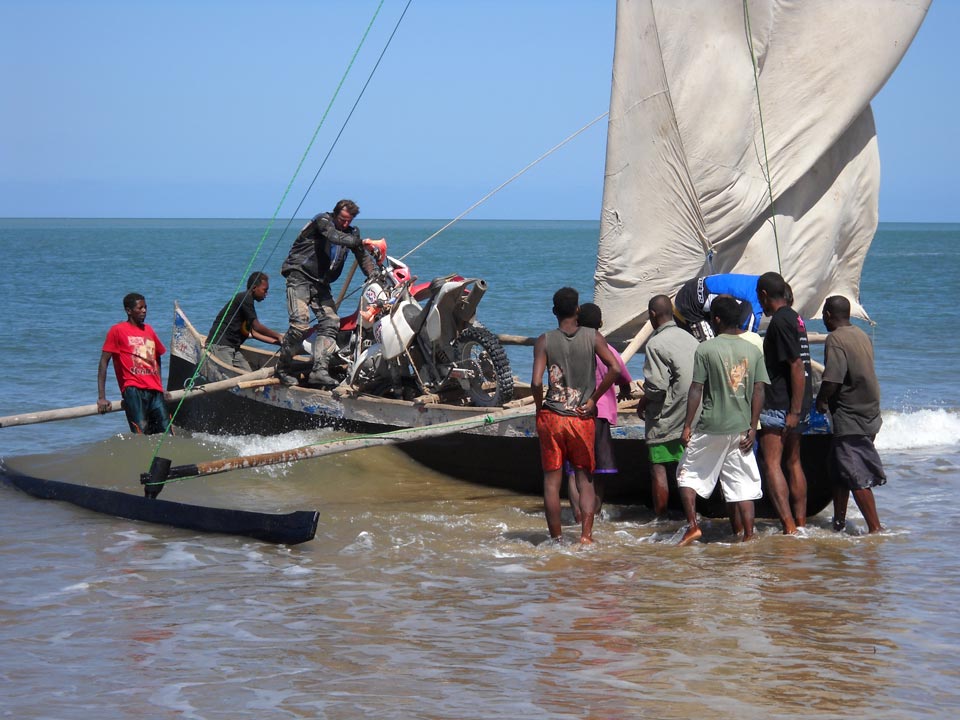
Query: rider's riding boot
<point>291,344</point>
<point>323,348</point>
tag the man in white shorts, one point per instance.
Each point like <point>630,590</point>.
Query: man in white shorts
<point>728,375</point>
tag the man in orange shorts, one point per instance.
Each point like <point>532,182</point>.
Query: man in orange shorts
<point>565,417</point>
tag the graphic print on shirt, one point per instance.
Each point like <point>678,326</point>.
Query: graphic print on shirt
<point>143,353</point>
<point>558,391</point>
<point>804,347</point>
<point>736,374</point>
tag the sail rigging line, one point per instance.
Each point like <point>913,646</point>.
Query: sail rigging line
<point>763,134</point>
<point>192,380</point>
<point>505,183</point>
<point>310,144</point>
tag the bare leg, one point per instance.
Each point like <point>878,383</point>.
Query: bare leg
<point>588,504</point>
<point>736,521</point>
<point>771,447</point>
<point>840,497</point>
<point>599,486</point>
<point>574,496</point>
<point>795,477</point>
<point>868,506</point>
<point>551,502</point>
<point>688,497</point>
<point>746,511</point>
<point>661,491</point>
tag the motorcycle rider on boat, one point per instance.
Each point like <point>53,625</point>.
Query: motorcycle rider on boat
<point>314,263</point>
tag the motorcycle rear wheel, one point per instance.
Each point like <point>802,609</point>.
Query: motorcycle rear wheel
<point>479,348</point>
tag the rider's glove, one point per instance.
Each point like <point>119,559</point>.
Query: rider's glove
<point>378,248</point>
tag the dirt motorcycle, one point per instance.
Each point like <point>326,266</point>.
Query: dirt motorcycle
<point>407,339</point>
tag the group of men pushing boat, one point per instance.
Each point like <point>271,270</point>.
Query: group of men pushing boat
<point>712,390</point>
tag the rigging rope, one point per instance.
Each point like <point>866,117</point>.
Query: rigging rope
<point>504,184</point>
<point>763,135</point>
<point>191,381</point>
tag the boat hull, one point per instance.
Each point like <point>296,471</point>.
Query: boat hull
<point>287,528</point>
<point>504,455</point>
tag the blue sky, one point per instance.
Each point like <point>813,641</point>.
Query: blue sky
<point>204,109</point>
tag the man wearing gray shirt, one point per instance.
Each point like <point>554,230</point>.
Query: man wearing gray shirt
<point>667,371</point>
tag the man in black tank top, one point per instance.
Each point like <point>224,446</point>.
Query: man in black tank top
<point>565,417</point>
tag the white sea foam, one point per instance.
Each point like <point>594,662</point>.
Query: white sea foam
<point>919,429</point>
<point>256,444</point>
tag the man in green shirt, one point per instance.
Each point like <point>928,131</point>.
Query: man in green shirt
<point>728,376</point>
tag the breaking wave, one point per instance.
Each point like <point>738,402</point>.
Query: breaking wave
<point>919,429</point>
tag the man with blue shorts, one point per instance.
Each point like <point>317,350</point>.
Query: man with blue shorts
<point>786,407</point>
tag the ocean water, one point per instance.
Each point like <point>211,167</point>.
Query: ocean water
<point>423,596</point>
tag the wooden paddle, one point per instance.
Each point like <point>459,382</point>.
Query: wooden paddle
<point>258,378</point>
<point>160,470</point>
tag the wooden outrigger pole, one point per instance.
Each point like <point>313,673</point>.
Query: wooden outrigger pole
<point>258,378</point>
<point>161,470</point>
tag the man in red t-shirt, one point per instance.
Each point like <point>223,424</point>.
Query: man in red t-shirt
<point>135,350</point>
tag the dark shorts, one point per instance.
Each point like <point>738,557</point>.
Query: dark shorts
<point>690,299</point>
<point>565,437</point>
<point>855,462</point>
<point>688,309</point>
<point>605,460</point>
<point>146,413</point>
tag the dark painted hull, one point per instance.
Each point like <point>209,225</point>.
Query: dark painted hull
<point>509,462</point>
<point>290,528</point>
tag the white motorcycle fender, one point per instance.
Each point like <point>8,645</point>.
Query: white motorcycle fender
<point>366,357</point>
<point>433,326</point>
<point>395,332</point>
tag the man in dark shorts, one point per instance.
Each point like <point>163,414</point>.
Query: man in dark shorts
<point>851,392</point>
<point>237,320</point>
<point>135,350</point>
<point>667,371</point>
<point>565,416</point>
<point>786,407</point>
<point>605,461</point>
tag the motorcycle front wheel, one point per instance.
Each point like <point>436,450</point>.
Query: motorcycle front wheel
<point>492,383</point>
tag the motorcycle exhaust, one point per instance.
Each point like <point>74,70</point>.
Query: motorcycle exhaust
<point>466,307</point>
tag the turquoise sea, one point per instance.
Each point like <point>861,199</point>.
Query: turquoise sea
<point>426,597</point>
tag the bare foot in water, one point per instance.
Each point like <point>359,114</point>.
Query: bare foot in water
<point>692,534</point>
<point>586,540</point>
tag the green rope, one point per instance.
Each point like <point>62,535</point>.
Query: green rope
<point>763,136</point>
<point>190,383</point>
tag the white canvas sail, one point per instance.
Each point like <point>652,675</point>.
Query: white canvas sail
<point>695,128</point>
